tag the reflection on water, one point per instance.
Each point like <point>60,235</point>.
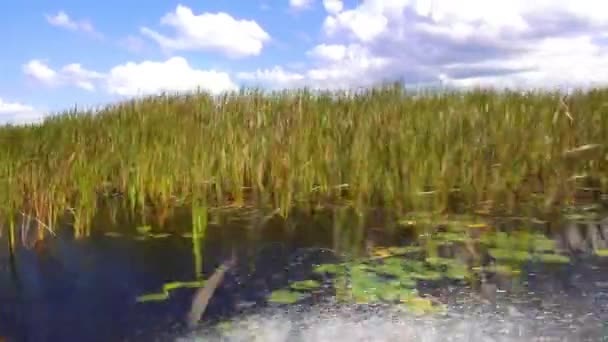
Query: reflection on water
<point>426,278</point>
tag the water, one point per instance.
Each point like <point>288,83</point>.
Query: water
<point>87,290</point>
<point>380,324</point>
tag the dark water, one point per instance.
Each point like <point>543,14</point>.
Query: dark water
<point>85,290</point>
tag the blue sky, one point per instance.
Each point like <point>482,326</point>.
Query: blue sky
<point>60,53</point>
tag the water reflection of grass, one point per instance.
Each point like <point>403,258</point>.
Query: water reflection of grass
<point>199,227</point>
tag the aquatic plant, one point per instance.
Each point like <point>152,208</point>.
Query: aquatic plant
<point>392,274</point>
<point>483,150</point>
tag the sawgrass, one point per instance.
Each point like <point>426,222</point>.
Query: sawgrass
<point>478,150</point>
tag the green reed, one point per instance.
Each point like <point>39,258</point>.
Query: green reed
<point>380,147</point>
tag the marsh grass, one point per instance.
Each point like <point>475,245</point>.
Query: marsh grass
<point>479,150</point>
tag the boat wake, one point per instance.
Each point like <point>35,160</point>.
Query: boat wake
<point>381,323</point>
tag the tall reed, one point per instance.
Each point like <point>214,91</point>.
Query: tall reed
<point>378,147</point>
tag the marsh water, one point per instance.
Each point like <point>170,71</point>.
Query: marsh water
<point>94,288</point>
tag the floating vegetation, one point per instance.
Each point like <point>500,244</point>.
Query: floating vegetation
<point>159,235</point>
<point>144,235</point>
<point>521,246</point>
<point>487,151</point>
<point>284,296</point>
<point>166,290</point>
<point>553,258</point>
<point>507,270</point>
<point>305,285</point>
<point>602,252</point>
<point>371,280</point>
<point>144,230</point>
<point>450,250</point>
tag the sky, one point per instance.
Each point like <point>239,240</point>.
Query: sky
<point>64,53</point>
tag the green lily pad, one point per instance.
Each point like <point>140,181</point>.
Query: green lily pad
<point>329,268</point>
<point>451,237</point>
<point>305,285</point>
<point>153,297</point>
<point>183,284</point>
<point>404,250</point>
<point>426,275</point>
<point>439,261</point>
<point>391,267</point>
<point>553,258</point>
<point>160,235</point>
<point>168,287</point>
<point>420,306</point>
<point>144,229</point>
<point>285,296</point>
<point>501,269</point>
<point>225,327</point>
<point>602,252</point>
<point>507,254</point>
<point>542,243</point>
<point>457,271</point>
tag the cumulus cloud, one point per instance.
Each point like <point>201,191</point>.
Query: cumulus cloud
<point>219,32</point>
<point>300,4</point>
<point>332,52</point>
<point>41,72</point>
<point>518,43</point>
<point>333,6</point>
<point>335,67</point>
<point>275,78</point>
<point>71,74</point>
<point>61,19</point>
<point>131,78</point>
<point>463,43</point>
<point>341,66</point>
<point>581,64</point>
<point>17,113</point>
<point>175,74</point>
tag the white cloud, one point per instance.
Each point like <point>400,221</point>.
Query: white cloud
<point>362,24</point>
<point>175,74</point>
<point>468,42</point>
<point>17,113</point>
<point>71,74</point>
<point>339,66</point>
<point>276,77</point>
<point>75,74</point>
<point>510,43</point>
<point>333,6</point>
<point>61,19</point>
<point>344,66</point>
<point>581,64</point>
<point>300,4</point>
<point>218,32</point>
<point>147,77</point>
<point>39,71</point>
<point>331,52</point>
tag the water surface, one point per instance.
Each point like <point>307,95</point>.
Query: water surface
<point>65,289</point>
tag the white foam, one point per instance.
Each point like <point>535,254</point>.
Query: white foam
<point>351,323</point>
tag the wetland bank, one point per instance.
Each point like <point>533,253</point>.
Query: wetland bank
<point>472,214</point>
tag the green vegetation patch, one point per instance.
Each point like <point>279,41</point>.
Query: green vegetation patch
<point>167,288</point>
<point>480,148</point>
